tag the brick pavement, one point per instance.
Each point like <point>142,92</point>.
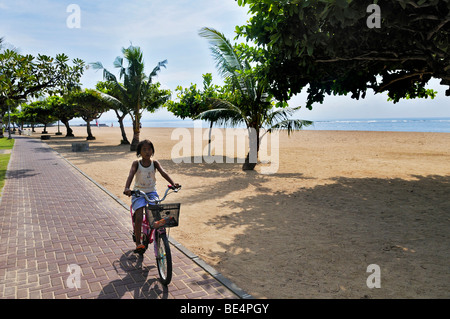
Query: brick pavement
<point>51,216</point>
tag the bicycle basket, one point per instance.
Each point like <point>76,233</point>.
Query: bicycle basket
<point>169,212</point>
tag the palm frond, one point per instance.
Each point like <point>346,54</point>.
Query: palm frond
<point>157,69</point>
<point>97,65</point>
<point>108,76</point>
<point>135,59</point>
<point>223,112</point>
<point>215,103</point>
<point>227,61</point>
<point>290,125</point>
<point>118,62</point>
<point>279,115</point>
<point>111,100</point>
<point>222,116</point>
<point>159,100</point>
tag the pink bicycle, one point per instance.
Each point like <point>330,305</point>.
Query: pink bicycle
<point>154,230</point>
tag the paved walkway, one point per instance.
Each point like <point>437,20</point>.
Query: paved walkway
<point>56,223</point>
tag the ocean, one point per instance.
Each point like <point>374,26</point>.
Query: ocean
<point>441,125</point>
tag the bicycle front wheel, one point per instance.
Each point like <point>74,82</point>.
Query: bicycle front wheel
<point>163,258</point>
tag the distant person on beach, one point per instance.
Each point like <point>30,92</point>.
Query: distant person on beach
<point>144,170</point>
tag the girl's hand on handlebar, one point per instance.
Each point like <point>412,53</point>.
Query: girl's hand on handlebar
<point>127,192</point>
<point>174,186</point>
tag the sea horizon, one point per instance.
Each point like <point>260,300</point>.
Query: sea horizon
<point>429,124</point>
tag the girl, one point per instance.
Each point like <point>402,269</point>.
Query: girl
<point>144,170</point>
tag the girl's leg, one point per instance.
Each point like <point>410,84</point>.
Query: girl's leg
<point>138,225</point>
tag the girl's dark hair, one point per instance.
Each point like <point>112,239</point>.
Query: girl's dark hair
<point>141,143</point>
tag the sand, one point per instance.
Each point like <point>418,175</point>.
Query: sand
<point>338,202</point>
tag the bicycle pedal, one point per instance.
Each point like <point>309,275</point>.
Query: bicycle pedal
<point>140,251</point>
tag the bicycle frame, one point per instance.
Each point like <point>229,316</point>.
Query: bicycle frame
<point>146,227</point>
<point>149,236</point>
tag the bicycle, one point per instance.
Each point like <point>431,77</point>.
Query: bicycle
<point>154,230</point>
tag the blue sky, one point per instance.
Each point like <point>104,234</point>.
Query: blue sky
<point>169,30</point>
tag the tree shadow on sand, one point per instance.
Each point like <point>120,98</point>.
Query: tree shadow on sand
<point>219,177</point>
<point>97,153</point>
<point>319,241</point>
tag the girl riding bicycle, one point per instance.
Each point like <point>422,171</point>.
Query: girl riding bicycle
<point>144,171</point>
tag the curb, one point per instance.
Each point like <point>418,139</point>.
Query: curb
<point>213,272</point>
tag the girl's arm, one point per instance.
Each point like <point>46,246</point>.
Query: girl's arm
<point>133,171</point>
<point>164,174</point>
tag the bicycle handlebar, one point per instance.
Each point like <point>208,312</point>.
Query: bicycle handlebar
<point>138,193</point>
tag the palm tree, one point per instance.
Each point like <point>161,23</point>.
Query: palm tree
<point>250,102</point>
<point>137,88</point>
<point>110,93</point>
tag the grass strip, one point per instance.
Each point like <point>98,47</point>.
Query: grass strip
<point>5,144</point>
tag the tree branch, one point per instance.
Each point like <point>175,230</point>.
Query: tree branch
<point>371,58</point>
<point>380,89</point>
<point>416,5</point>
<point>438,27</point>
<point>426,17</point>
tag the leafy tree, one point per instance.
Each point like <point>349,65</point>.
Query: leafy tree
<point>22,118</point>
<point>137,93</point>
<point>249,102</point>
<point>62,110</point>
<point>193,101</point>
<point>25,76</point>
<point>89,105</point>
<point>333,47</point>
<point>38,112</point>
<point>16,118</point>
<point>27,115</point>
<point>44,115</point>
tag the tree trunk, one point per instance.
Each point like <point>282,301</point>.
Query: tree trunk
<point>1,126</point>
<point>136,135</point>
<point>69,131</point>
<point>136,132</point>
<point>124,135</point>
<point>122,128</point>
<point>252,157</point>
<point>90,137</point>
<point>209,140</point>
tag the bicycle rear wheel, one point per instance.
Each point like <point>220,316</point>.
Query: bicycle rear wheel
<point>163,258</point>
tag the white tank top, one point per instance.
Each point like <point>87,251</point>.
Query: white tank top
<point>145,178</point>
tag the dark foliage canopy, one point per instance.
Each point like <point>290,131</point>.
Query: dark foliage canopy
<point>336,46</point>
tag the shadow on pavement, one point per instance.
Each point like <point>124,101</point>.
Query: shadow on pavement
<point>134,282</point>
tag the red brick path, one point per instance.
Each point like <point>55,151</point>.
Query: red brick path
<point>51,216</point>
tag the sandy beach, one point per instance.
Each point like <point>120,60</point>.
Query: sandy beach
<point>337,203</point>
